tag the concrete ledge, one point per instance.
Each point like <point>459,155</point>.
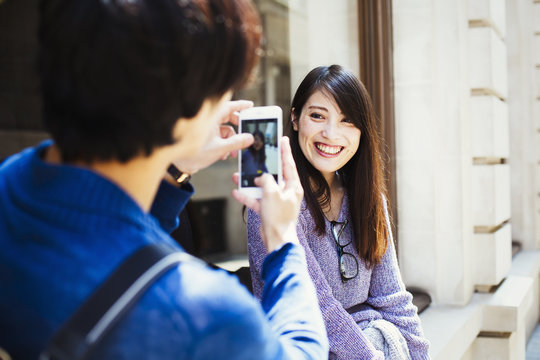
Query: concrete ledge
<point>527,263</point>
<point>505,310</point>
<point>451,329</point>
<point>502,319</point>
<point>510,347</point>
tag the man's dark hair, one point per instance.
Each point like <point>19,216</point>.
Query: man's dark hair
<point>116,75</point>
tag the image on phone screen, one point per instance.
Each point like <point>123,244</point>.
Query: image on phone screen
<point>262,156</point>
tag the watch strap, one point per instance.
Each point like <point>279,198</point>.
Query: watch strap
<point>180,177</point>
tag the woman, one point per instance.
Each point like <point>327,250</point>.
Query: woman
<point>344,224</point>
<point>254,158</point>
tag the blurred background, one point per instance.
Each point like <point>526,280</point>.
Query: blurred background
<point>456,86</point>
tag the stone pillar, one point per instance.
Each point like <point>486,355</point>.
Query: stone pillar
<point>433,151</point>
<point>523,34</point>
<point>488,82</point>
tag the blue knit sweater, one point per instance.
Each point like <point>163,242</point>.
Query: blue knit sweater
<point>64,229</point>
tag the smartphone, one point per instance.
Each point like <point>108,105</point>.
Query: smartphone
<point>264,155</point>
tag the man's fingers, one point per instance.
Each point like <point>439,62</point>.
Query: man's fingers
<point>235,106</point>
<point>239,105</point>
<point>267,183</point>
<point>250,202</point>
<point>236,142</point>
<point>226,131</point>
<point>244,199</point>
<point>290,174</point>
<point>236,178</point>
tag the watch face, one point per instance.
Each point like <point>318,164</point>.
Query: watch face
<point>177,175</point>
<point>183,178</point>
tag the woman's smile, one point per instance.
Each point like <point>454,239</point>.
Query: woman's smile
<point>328,150</point>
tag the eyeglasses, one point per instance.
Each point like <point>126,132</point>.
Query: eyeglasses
<point>348,265</point>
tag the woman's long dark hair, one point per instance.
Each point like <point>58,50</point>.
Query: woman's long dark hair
<point>362,176</point>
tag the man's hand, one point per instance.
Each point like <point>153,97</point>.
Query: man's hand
<point>223,141</point>
<point>280,205</point>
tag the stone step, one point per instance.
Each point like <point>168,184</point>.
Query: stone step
<point>491,323</point>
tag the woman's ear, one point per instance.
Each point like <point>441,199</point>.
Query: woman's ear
<point>294,120</point>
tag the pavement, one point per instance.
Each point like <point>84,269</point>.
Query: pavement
<point>533,345</point>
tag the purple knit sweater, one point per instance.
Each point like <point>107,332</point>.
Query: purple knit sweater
<point>379,290</point>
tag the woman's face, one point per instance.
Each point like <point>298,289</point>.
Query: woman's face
<point>258,142</point>
<point>327,138</point>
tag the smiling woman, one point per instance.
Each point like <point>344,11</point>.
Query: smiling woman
<point>327,138</point>
<point>351,117</point>
<point>344,224</point>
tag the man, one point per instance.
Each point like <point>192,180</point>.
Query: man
<point>129,87</point>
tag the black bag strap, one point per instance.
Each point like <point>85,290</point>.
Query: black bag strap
<point>112,299</point>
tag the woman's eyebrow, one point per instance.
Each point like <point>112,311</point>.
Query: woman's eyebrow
<point>318,107</point>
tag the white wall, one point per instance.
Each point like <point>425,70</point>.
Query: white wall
<point>467,94</point>
<point>322,32</point>
<point>461,119</point>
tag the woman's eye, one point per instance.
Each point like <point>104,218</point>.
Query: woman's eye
<point>316,116</point>
<point>346,120</point>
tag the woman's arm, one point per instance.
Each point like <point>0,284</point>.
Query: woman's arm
<point>346,339</point>
<point>387,294</point>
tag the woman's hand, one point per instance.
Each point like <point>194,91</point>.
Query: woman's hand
<point>280,205</point>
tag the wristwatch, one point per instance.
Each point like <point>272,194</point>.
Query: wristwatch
<point>180,177</point>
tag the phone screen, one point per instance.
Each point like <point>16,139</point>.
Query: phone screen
<point>262,156</point>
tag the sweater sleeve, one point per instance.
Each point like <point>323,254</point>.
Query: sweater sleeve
<point>345,337</point>
<point>290,303</point>
<point>168,203</point>
<point>387,294</point>
<point>285,328</point>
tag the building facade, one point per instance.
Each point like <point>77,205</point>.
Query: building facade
<point>466,90</point>
<point>456,84</point>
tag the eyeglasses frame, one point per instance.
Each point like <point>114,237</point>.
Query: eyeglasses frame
<point>341,251</point>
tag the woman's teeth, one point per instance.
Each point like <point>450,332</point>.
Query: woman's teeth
<point>327,149</point>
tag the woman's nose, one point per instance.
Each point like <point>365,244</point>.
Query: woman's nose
<point>330,130</point>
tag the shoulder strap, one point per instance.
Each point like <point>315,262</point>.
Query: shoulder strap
<point>106,306</point>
